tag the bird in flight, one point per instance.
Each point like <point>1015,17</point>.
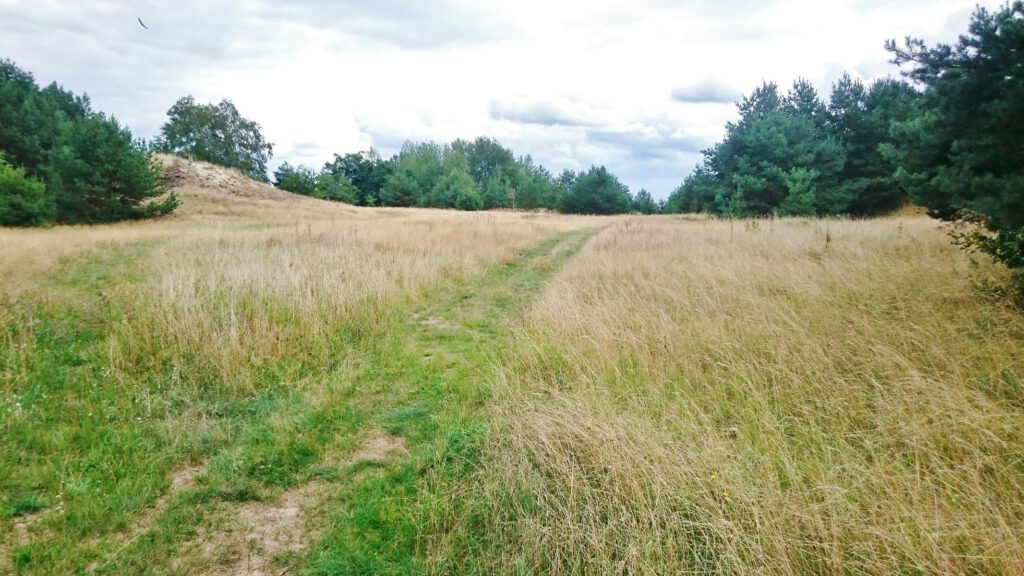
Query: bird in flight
<point>141,23</point>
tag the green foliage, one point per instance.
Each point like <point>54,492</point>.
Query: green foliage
<point>644,203</point>
<point>98,174</point>
<point>334,187</point>
<point>468,198</point>
<point>92,168</point>
<point>486,158</point>
<point>800,200</point>
<point>862,118</point>
<point>481,174</point>
<point>366,171</point>
<point>961,157</point>
<point>23,200</point>
<point>215,133</point>
<point>296,179</point>
<point>30,122</point>
<point>326,185</point>
<point>698,191</point>
<point>596,191</point>
<point>534,185</point>
<point>842,141</point>
<point>419,167</point>
<point>456,188</point>
<point>500,192</point>
<point>732,203</point>
<point>400,190</point>
<point>774,136</point>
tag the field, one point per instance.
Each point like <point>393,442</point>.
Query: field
<point>269,384</point>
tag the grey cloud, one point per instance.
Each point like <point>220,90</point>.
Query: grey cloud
<point>413,25</point>
<point>543,113</point>
<point>645,145</point>
<point>302,148</point>
<point>707,91</point>
<point>134,73</point>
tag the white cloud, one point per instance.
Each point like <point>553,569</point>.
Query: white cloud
<point>571,83</point>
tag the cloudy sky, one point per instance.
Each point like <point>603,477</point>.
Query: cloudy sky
<point>639,85</point>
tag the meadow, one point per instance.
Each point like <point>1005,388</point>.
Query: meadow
<point>269,384</point>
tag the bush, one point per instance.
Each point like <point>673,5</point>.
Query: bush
<point>23,200</point>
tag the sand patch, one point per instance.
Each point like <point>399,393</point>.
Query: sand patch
<point>381,448</point>
<point>246,538</point>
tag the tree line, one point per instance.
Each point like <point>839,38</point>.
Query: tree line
<point>794,154</point>
<point>950,140</point>
<point>465,175</point>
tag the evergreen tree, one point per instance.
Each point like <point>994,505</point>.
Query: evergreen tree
<point>97,173</point>
<point>747,172</point>
<point>366,170</point>
<point>596,191</point>
<point>862,119</point>
<point>333,187</point>
<point>961,157</point>
<point>644,203</point>
<point>534,186</point>
<point>485,158</point>
<point>800,200</point>
<point>400,189</point>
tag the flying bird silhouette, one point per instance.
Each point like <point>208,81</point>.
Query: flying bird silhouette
<point>143,24</point>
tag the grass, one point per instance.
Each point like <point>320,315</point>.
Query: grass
<point>273,384</point>
<point>783,397</point>
<point>260,355</point>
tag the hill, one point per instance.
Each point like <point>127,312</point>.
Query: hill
<point>209,190</point>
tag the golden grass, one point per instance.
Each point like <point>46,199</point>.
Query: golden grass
<point>244,275</point>
<point>233,299</point>
<point>27,256</point>
<point>785,397</point>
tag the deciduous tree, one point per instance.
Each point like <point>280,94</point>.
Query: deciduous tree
<point>215,133</point>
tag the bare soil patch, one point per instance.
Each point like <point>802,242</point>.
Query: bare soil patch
<point>381,448</point>
<point>245,539</point>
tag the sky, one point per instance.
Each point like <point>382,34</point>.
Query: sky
<point>639,86</point>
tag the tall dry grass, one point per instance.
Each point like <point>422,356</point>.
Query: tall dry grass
<point>790,397</point>
<point>29,256</point>
<point>232,300</point>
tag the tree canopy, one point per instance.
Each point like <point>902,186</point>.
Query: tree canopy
<point>596,191</point>
<point>796,152</point>
<point>963,156</point>
<point>215,133</point>
<point>66,163</point>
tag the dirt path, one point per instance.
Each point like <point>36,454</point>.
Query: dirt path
<point>392,435</point>
<point>433,381</point>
